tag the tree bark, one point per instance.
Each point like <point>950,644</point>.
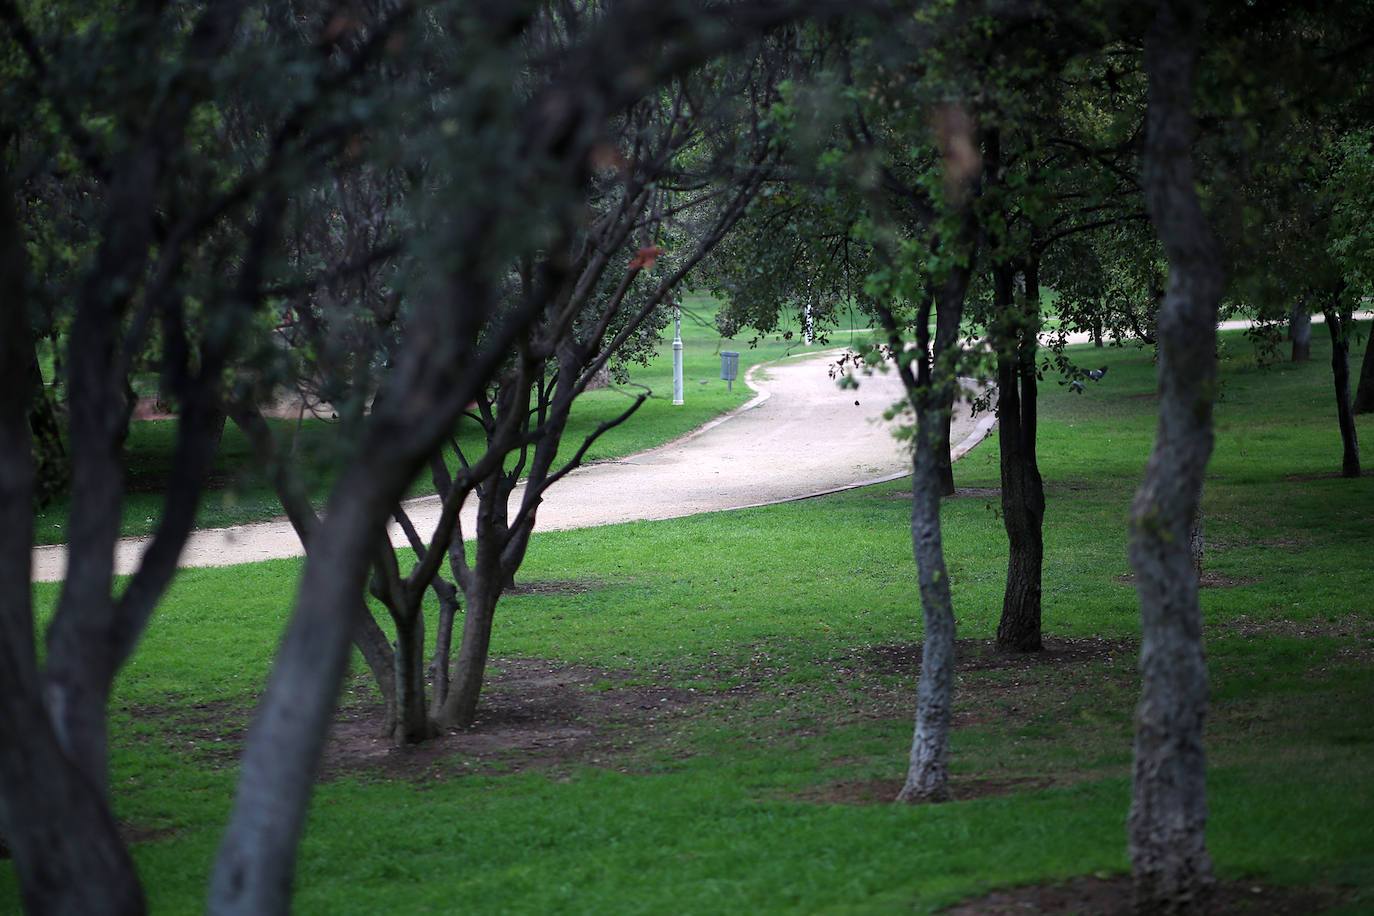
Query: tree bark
<point>945,471</point>
<point>443,641</point>
<point>479,613</point>
<point>256,859</point>
<point>932,388</point>
<point>1338,321</point>
<point>1171,868</point>
<point>412,715</point>
<point>1023,491</point>
<point>482,586</point>
<point>368,638</point>
<point>67,853</point>
<point>927,778</point>
<point>1300,333</point>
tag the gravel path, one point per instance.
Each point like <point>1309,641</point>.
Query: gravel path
<point>800,436</point>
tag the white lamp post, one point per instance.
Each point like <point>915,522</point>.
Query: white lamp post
<point>677,355</point>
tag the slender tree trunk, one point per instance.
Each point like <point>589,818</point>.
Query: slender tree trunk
<point>256,859</point>
<point>443,642</point>
<point>479,613</point>
<point>1364,391</point>
<point>927,778</point>
<point>66,849</point>
<point>1300,332</point>
<point>931,389</point>
<point>413,724</point>
<point>945,470</point>
<point>1023,492</point>
<point>1338,323</point>
<point>1171,867</point>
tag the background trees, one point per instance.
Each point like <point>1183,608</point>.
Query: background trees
<point>490,123</point>
<point>473,209</point>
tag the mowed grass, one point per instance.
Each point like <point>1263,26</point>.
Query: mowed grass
<point>240,492</point>
<point>783,622</point>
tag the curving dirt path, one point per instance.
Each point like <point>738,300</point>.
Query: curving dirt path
<point>800,436</point>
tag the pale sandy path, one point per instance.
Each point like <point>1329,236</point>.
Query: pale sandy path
<point>800,436</point>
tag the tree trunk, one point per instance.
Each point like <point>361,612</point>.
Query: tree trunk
<point>256,859</point>
<point>1300,332</point>
<point>1337,323</point>
<point>66,849</point>
<point>479,613</point>
<point>1170,865</point>
<point>927,778</point>
<point>931,389</point>
<point>1364,391</point>
<point>945,471</point>
<point>443,641</point>
<point>413,724</point>
<point>1023,491</point>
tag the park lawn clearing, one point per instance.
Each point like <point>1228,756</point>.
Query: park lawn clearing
<point>709,714</point>
<point>238,492</point>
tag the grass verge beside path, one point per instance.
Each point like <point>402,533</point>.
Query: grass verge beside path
<point>238,493</point>
<point>708,714</point>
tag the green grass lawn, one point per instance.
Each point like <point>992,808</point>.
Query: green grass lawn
<point>239,492</point>
<point>783,637</point>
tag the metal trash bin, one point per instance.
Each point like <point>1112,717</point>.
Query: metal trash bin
<point>729,368</point>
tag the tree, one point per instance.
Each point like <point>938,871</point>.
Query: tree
<point>931,378</point>
<point>522,195</point>
<point>155,198</point>
<point>1340,324</point>
<point>167,256</point>
<point>1170,864</point>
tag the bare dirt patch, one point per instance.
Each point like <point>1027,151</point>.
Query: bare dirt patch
<point>534,713</point>
<point>1111,896</point>
<point>542,714</point>
<point>553,587</point>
